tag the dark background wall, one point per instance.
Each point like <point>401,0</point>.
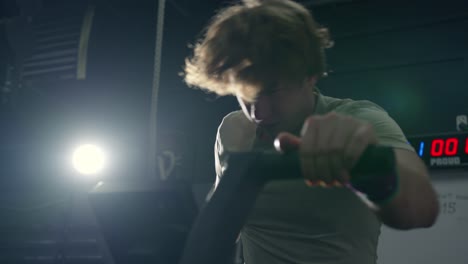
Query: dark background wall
<point>409,56</point>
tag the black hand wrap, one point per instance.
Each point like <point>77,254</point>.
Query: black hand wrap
<point>381,185</point>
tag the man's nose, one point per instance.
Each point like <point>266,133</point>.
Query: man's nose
<point>261,111</point>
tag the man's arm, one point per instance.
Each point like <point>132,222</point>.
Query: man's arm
<point>415,205</point>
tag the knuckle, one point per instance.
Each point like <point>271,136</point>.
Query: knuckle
<point>366,126</point>
<point>307,124</point>
<point>360,138</point>
<point>310,119</point>
<point>363,133</point>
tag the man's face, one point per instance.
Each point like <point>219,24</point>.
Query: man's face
<point>282,108</point>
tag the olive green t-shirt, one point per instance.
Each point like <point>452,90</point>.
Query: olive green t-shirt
<point>293,223</point>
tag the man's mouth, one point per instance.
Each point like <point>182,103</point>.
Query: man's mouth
<point>268,131</point>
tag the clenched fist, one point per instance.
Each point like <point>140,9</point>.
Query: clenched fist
<point>329,147</point>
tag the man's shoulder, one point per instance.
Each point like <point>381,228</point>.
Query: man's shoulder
<point>236,132</point>
<point>233,120</point>
<point>234,117</point>
<point>387,130</point>
<point>349,106</point>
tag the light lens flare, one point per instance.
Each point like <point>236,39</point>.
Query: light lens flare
<point>89,159</point>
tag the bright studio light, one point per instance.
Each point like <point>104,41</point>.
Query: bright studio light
<point>88,159</point>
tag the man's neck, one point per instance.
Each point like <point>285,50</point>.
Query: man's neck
<point>265,139</point>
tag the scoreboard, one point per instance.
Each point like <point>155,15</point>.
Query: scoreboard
<point>442,150</point>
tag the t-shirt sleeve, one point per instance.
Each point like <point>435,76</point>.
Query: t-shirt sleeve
<point>388,131</point>
<point>218,159</point>
<point>218,151</point>
<point>234,134</point>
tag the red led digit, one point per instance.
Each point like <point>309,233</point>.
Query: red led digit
<point>437,147</point>
<point>451,146</point>
<point>466,146</point>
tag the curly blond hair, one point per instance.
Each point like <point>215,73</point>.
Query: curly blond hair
<point>253,45</point>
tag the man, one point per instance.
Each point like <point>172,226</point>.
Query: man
<point>270,55</point>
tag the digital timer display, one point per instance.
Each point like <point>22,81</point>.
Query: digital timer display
<point>442,151</point>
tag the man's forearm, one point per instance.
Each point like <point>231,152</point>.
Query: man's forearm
<point>415,204</point>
